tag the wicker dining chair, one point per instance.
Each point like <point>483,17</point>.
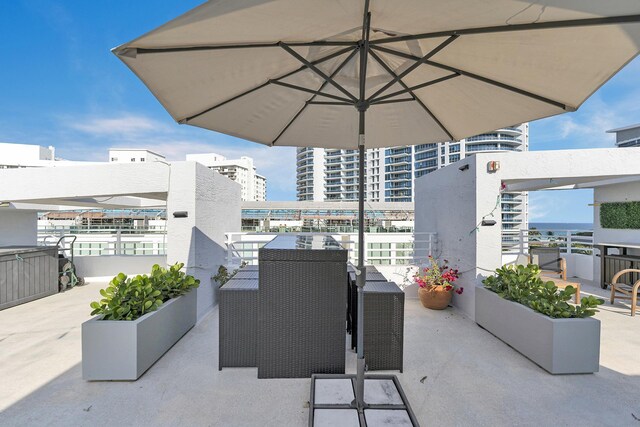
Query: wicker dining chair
<point>627,291</point>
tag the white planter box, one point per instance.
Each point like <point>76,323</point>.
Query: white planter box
<point>560,346</point>
<point>124,350</point>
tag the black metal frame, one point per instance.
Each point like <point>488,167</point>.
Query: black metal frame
<point>363,423</point>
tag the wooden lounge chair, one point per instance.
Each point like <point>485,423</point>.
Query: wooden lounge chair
<point>553,267</point>
<point>629,292</point>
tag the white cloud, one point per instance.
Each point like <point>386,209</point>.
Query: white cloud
<point>129,125</point>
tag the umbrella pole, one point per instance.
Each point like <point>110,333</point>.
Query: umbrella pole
<point>361,278</point>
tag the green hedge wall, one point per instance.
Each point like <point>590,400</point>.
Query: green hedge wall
<point>624,215</point>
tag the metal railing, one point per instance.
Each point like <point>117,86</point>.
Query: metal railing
<point>120,242</point>
<point>382,249</point>
<point>569,241</point>
<point>61,230</point>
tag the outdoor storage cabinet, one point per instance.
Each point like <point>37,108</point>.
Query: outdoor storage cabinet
<point>238,324</point>
<point>27,273</point>
<point>301,307</point>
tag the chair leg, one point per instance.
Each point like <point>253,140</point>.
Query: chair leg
<point>577,295</point>
<point>613,292</point>
<point>634,297</point>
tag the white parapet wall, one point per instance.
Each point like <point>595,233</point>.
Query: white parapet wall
<point>108,266</point>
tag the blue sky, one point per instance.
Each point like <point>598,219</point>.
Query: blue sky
<point>60,85</point>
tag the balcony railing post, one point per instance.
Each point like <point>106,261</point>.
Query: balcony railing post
<point>521,232</point>
<point>229,245</point>
<point>569,242</point>
<point>118,248</point>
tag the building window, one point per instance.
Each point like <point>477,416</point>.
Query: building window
<point>142,159</point>
<point>133,159</point>
<point>114,159</point>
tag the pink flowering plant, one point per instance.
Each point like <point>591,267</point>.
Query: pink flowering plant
<point>438,274</point>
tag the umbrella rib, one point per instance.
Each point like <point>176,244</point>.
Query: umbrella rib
<point>406,87</point>
<point>610,20</point>
<point>478,77</point>
<point>302,68</point>
<point>316,70</point>
<point>310,100</point>
<point>393,101</point>
<point>174,49</point>
<point>348,104</point>
<point>304,89</point>
<point>414,66</point>
<point>412,88</point>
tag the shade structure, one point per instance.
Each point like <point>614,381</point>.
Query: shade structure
<point>231,66</point>
<point>325,73</point>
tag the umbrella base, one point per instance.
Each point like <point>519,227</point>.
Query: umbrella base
<point>332,402</point>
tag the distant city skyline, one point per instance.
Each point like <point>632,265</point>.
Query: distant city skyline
<point>82,100</point>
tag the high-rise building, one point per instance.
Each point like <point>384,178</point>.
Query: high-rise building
<point>242,171</point>
<point>332,174</point>
<point>628,136</point>
<point>310,174</point>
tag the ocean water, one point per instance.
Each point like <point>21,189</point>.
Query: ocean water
<point>561,225</point>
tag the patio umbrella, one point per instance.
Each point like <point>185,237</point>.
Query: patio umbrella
<point>327,73</point>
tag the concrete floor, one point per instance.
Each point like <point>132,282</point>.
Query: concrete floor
<point>456,374</point>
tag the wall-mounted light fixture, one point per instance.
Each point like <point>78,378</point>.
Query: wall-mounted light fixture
<point>464,167</point>
<point>180,214</point>
<point>493,166</point>
<point>488,223</point>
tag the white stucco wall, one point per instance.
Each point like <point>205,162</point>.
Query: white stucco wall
<point>627,192</point>
<point>18,227</point>
<point>108,266</point>
<point>446,202</point>
<point>213,205</point>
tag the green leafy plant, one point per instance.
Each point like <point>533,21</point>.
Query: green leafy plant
<point>524,285</point>
<point>128,298</point>
<point>620,215</point>
<point>223,275</point>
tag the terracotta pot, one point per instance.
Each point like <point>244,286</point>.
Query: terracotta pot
<point>435,297</point>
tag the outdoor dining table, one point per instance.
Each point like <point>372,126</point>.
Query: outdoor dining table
<point>302,300</point>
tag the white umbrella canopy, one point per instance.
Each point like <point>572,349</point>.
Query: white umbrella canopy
<point>231,66</point>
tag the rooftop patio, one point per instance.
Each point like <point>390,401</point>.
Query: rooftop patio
<point>455,374</point>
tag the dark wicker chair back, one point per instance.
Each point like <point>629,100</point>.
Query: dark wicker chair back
<point>546,258</point>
